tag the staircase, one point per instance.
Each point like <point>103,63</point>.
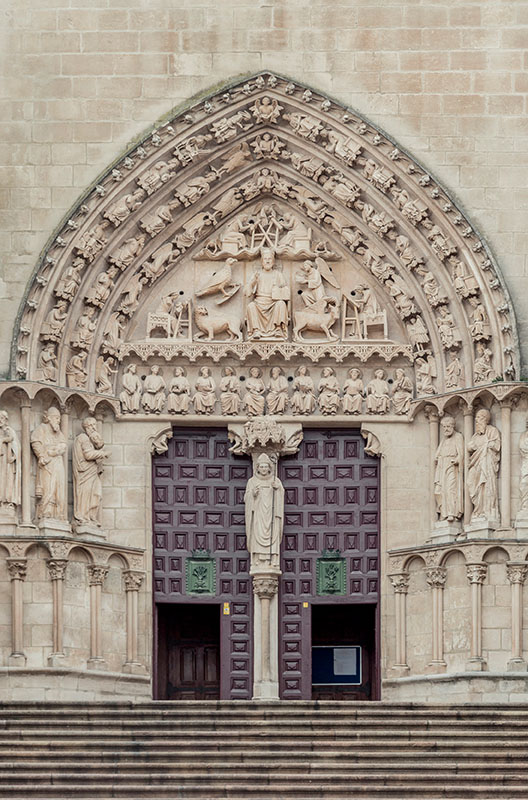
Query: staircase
<point>259,751</point>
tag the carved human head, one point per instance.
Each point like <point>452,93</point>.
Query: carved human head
<point>89,424</point>
<point>179,371</point>
<point>255,372</point>
<point>482,419</point>
<point>327,371</point>
<point>354,373</point>
<point>275,372</point>
<point>268,258</point>
<point>53,417</point>
<point>448,425</point>
<point>379,373</point>
<point>302,370</point>
<point>205,372</point>
<point>306,266</point>
<point>154,369</point>
<point>264,465</point>
<point>132,368</point>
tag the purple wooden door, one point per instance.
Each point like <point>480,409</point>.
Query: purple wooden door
<point>331,503</point>
<point>198,491</point>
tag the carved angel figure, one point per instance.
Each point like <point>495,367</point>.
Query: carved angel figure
<point>119,211</point>
<point>229,392</point>
<point>10,466</point>
<point>156,176</point>
<point>204,399</point>
<point>179,392</point>
<point>377,391</point>
<point>303,399</point>
<point>483,368</point>
<point>402,391</point>
<point>254,395</point>
<point>84,332</point>
<point>92,242</point>
<point>76,371</point>
<point>449,472</point>
<point>479,328</point>
<point>103,372</point>
<point>53,325</point>
<point>425,372</point>
<point>267,146</point>
<point>99,292</point>
<point>69,283</point>
<point>47,363</point>
<point>454,374</point>
<point>353,389</point>
<point>449,333</point>
<point>130,397</point>
<point>277,398</point>
<point>153,398</point>
<point>329,400</point>
<point>126,253</point>
<point>266,110</point>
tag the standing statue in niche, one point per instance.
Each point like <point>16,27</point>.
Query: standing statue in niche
<point>484,456</point>
<point>130,397</point>
<point>49,445</point>
<point>10,467</point>
<point>267,313</point>
<point>449,472</point>
<point>87,457</point>
<point>264,501</point>
<point>523,486</point>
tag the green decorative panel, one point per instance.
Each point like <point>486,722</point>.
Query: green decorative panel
<point>331,573</point>
<point>201,573</point>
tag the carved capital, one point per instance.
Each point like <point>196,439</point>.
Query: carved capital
<point>476,573</point>
<point>57,568</point>
<point>97,574</point>
<point>265,586</point>
<point>17,568</point>
<point>265,434</point>
<point>432,413</point>
<point>133,580</point>
<point>58,550</point>
<point>436,577</point>
<point>400,583</point>
<point>516,572</point>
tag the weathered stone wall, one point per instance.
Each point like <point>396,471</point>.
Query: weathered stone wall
<point>446,78</point>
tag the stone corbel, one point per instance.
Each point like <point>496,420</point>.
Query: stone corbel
<point>372,443</point>
<point>266,434</point>
<point>159,444</point>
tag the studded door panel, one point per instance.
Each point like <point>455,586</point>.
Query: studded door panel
<point>198,510</point>
<point>331,503</point>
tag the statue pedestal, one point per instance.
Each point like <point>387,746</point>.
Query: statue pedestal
<point>521,524</point>
<point>436,668</point>
<point>481,528</point>
<point>134,668</point>
<point>98,664</point>
<point>16,660</point>
<point>476,665</point>
<point>8,524</point>
<point>88,530</point>
<point>57,660</point>
<point>265,632</point>
<point>54,527</point>
<point>445,531</point>
<point>516,665</point>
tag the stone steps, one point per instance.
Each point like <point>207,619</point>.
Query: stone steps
<point>261,751</point>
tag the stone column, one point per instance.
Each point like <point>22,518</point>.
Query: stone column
<point>516,572</point>
<point>133,581</point>
<point>400,583</point>
<point>17,568</point>
<point>505,468</point>
<point>96,576</point>
<point>436,578</point>
<point>25,446</point>
<point>57,571</point>
<point>432,415</point>
<point>265,645</point>
<point>468,433</point>
<point>476,575</point>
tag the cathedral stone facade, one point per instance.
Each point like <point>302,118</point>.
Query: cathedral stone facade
<point>264,424</point>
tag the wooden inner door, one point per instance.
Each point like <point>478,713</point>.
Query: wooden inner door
<point>189,652</point>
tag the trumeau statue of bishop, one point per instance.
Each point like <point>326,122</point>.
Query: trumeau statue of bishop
<point>264,501</point>
<point>267,313</point>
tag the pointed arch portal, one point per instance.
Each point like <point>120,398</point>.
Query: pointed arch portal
<point>156,262</point>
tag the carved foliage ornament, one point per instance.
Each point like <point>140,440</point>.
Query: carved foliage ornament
<point>188,192</point>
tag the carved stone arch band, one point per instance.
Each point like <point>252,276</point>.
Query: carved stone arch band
<point>381,262</point>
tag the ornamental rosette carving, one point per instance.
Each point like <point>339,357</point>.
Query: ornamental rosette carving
<point>436,577</point>
<point>57,568</point>
<point>400,583</point>
<point>97,574</point>
<point>476,573</point>
<point>17,568</point>
<point>133,580</point>
<point>516,573</point>
<point>265,586</point>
